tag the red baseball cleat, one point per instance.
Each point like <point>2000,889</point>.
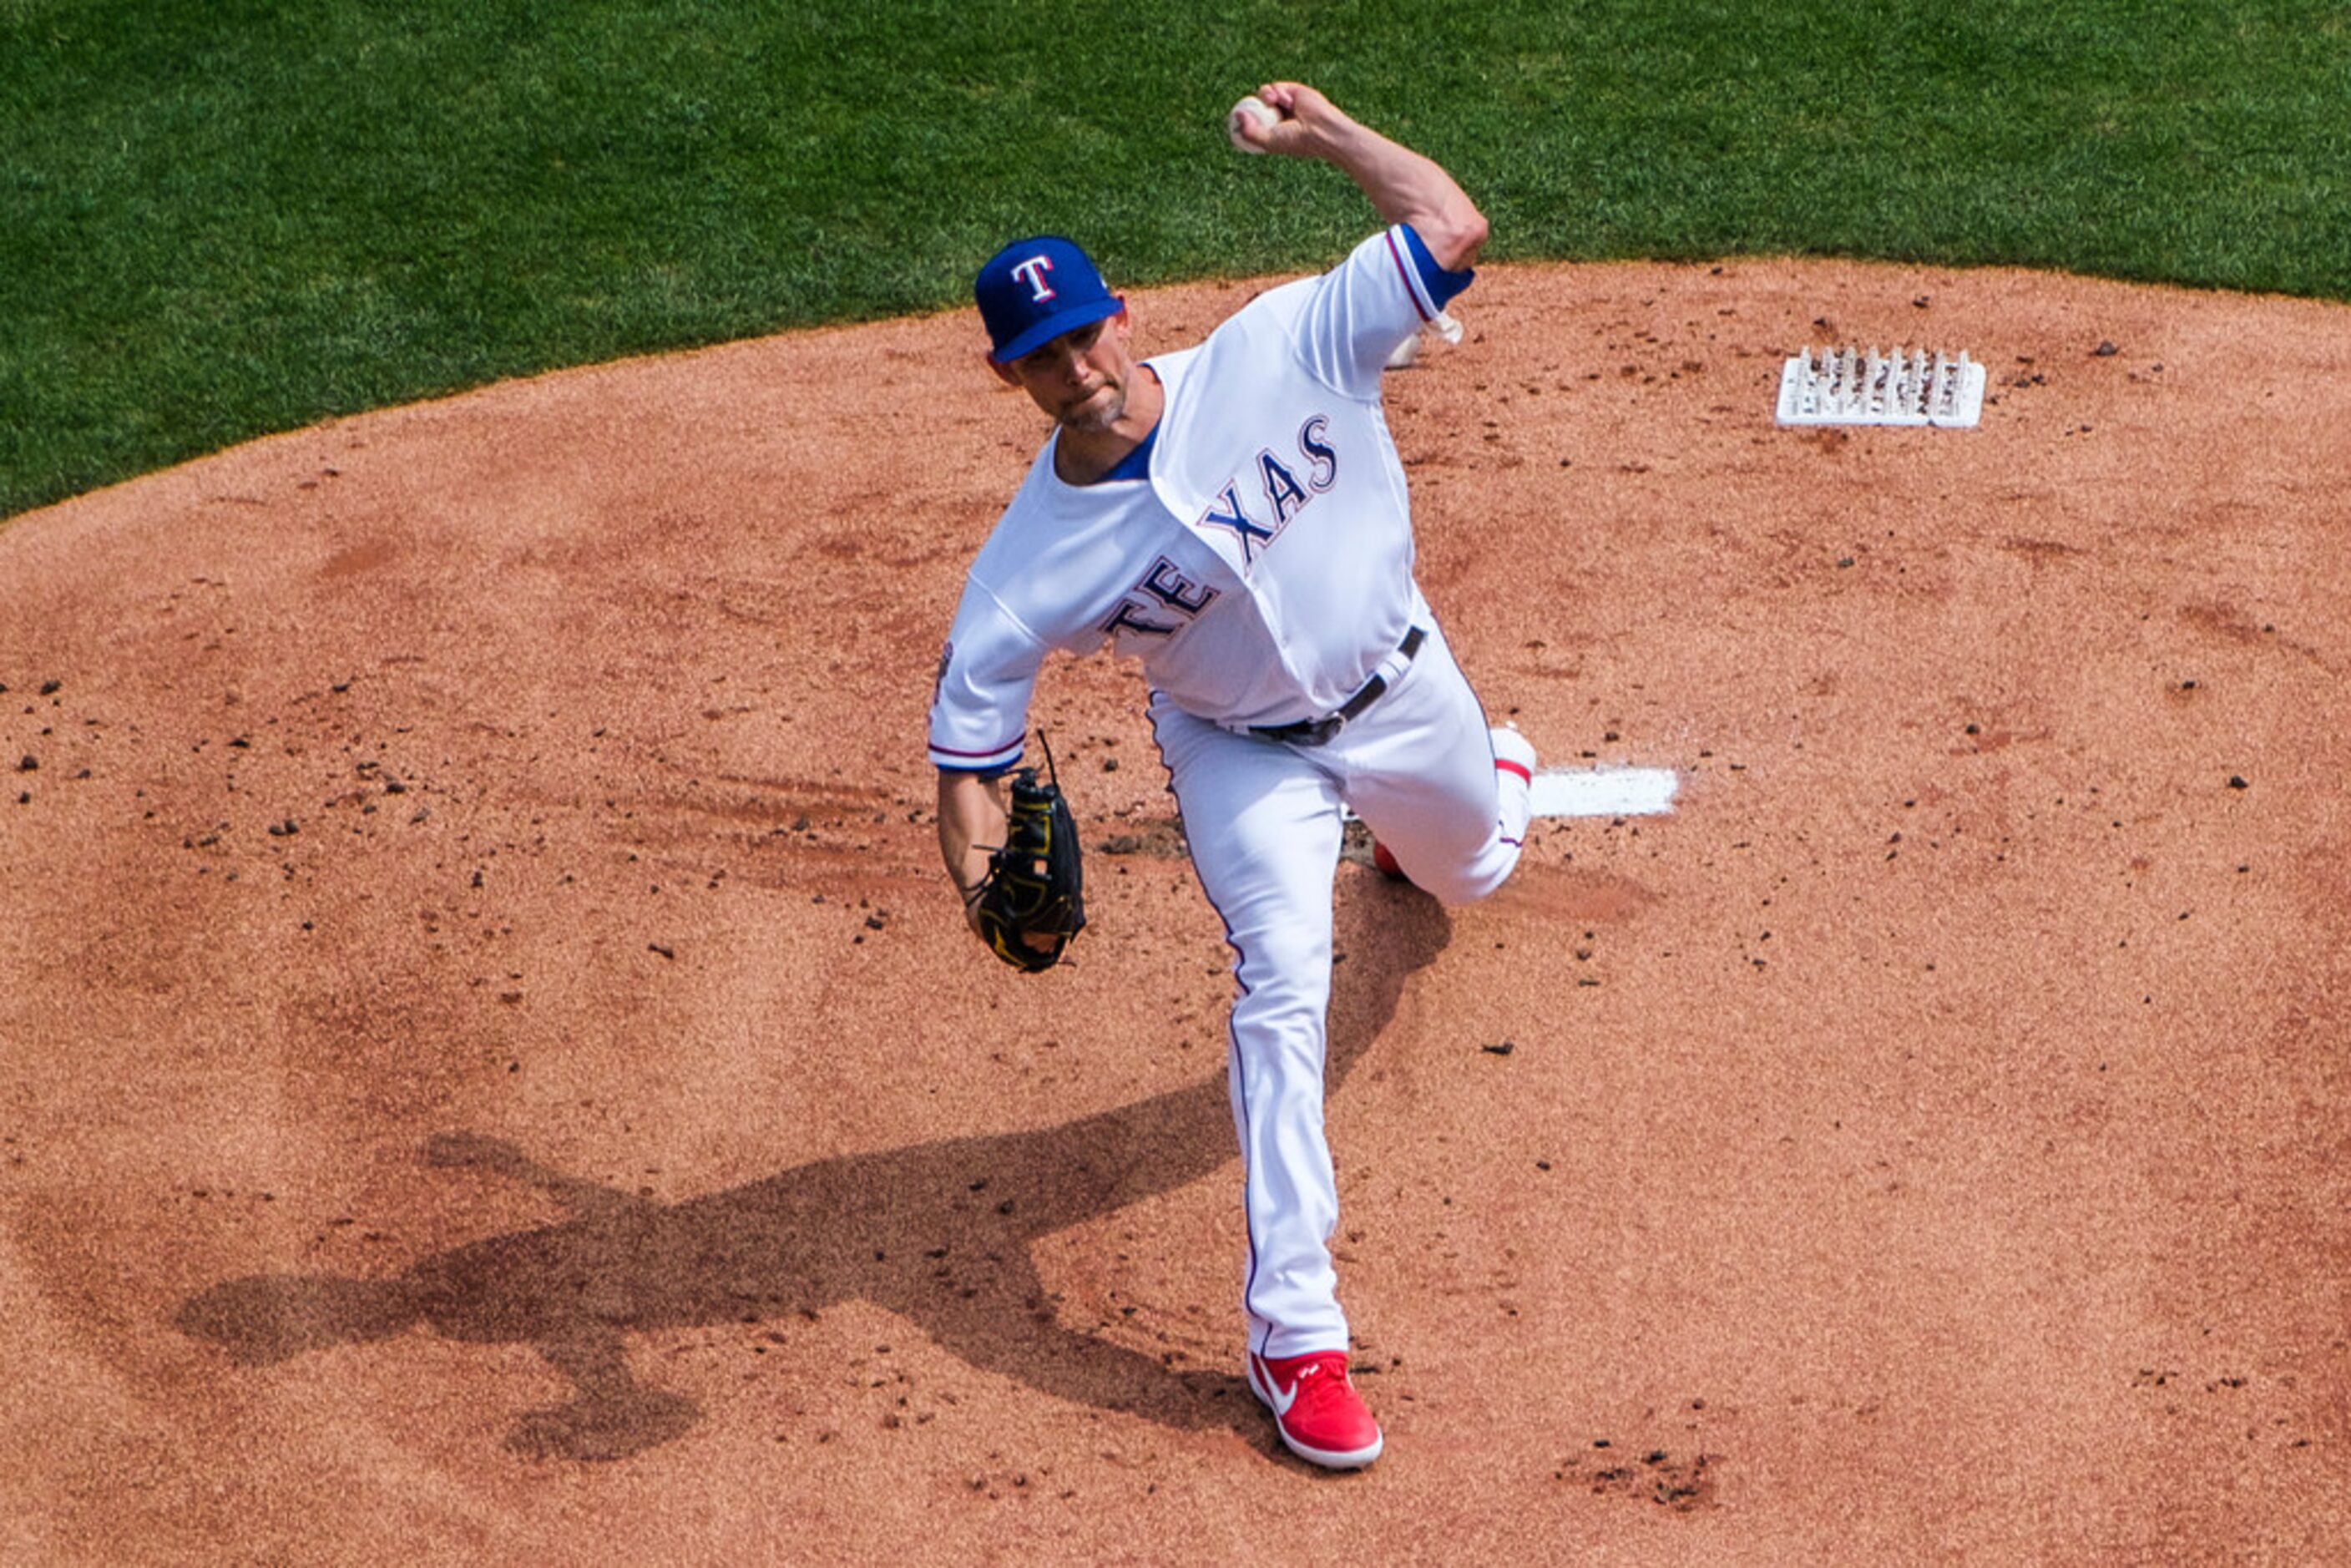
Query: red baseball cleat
<point>1316,1409</point>
<point>1386,862</point>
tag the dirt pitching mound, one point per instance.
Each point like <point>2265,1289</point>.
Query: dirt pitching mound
<point>494,1070</point>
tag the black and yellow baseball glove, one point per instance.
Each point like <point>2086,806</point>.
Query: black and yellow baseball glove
<point>1031,902</point>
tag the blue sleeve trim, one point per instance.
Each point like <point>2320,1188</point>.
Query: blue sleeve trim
<point>1442,285</point>
<point>986,764</point>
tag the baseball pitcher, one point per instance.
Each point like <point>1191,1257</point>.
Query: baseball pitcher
<point>1235,516</point>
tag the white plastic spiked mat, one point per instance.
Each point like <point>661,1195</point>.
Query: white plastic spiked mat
<point>1848,386</point>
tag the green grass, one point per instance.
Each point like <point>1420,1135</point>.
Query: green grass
<point>223,219</point>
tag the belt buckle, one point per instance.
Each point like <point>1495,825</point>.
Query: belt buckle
<point>1303,731</point>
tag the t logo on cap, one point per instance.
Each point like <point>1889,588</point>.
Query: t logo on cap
<point>1023,311</point>
<point>1032,272</point>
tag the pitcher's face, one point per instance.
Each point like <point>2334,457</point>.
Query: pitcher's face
<point>1081,377</point>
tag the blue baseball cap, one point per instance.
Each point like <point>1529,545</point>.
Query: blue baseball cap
<point>1035,289</point>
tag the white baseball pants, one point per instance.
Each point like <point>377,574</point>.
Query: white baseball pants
<point>1264,820</point>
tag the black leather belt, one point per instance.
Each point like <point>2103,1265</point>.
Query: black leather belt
<point>1316,731</point>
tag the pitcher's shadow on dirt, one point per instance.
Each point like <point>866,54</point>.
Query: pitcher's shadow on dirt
<point>939,1233</point>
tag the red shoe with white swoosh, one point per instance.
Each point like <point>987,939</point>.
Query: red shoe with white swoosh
<point>1316,1409</point>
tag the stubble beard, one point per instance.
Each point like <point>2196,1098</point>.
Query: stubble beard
<point>1097,413</point>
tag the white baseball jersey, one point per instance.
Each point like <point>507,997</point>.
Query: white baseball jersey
<point>1261,568</point>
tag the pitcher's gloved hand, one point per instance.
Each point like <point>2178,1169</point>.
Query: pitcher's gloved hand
<point>1031,902</point>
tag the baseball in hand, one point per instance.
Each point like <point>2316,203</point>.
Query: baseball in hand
<point>1251,107</point>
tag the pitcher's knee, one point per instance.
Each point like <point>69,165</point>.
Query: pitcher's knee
<point>1467,882</point>
<point>1289,959</point>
